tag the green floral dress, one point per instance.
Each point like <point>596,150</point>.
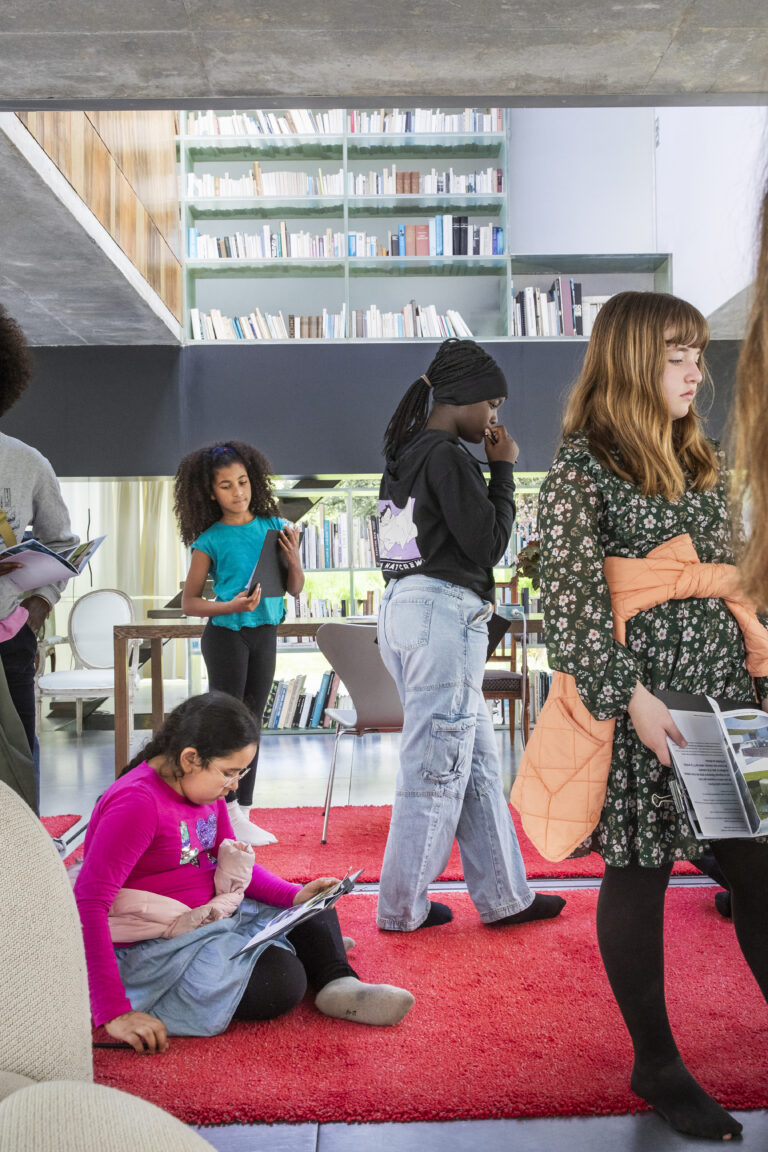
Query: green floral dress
<point>586,513</point>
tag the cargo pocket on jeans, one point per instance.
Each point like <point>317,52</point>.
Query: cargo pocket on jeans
<point>450,742</point>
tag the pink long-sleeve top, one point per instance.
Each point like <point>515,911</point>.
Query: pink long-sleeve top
<point>144,835</point>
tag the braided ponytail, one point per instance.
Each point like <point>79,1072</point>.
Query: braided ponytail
<point>455,361</point>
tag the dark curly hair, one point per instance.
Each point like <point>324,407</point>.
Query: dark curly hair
<point>192,503</point>
<point>15,361</point>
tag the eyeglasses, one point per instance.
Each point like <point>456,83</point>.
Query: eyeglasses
<point>233,777</point>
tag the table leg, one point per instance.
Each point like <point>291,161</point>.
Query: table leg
<point>156,656</point>
<point>122,735</point>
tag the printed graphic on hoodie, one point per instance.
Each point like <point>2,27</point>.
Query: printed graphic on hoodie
<point>398,547</point>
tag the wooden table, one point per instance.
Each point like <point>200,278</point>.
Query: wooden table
<point>156,633</point>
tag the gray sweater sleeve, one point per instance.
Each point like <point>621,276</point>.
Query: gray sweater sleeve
<point>31,495</point>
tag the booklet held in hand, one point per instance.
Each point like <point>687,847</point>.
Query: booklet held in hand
<point>40,565</point>
<point>290,917</point>
<point>720,779</point>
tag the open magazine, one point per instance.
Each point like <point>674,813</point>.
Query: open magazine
<point>721,776</point>
<point>289,917</point>
<point>41,565</point>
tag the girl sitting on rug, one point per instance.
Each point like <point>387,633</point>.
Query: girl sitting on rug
<point>160,859</point>
<point>634,471</point>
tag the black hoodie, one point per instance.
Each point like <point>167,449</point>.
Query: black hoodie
<point>439,518</point>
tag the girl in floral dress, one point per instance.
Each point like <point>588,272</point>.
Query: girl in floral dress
<point>634,470</point>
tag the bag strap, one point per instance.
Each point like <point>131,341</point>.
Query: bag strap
<point>6,531</point>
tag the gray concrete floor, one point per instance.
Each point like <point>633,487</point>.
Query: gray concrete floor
<point>292,771</point>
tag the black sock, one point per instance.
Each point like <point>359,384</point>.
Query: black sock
<point>543,908</point>
<point>438,914</point>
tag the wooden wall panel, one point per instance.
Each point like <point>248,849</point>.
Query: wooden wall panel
<point>123,166</point>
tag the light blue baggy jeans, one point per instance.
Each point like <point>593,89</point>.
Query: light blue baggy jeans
<point>433,638</point>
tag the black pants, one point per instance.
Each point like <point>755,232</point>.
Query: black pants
<point>279,979</point>
<point>242,663</point>
<point>18,657</point>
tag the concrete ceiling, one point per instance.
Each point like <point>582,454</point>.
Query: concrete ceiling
<point>178,52</point>
<point>219,53</point>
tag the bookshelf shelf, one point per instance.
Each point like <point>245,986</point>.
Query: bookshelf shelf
<point>303,260</point>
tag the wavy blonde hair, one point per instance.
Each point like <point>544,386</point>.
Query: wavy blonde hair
<point>750,414</point>
<point>619,400</point>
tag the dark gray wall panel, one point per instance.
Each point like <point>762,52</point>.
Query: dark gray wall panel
<point>102,411</point>
<point>319,408</point>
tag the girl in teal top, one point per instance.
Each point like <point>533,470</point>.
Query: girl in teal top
<point>225,506</point>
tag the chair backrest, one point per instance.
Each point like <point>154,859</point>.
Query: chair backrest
<point>505,592</point>
<point>352,651</point>
<point>90,626</point>
<point>46,1020</point>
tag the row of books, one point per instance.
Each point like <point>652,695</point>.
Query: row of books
<point>258,325</point>
<point>271,243</point>
<point>337,542</point>
<point>390,182</point>
<point>446,235</point>
<point>557,311</point>
<point>413,320</point>
<point>291,122</point>
<point>304,607</point>
<point>413,120</point>
<point>293,704</point>
<point>443,235</point>
<point>207,185</point>
<point>330,122</point>
<point>539,683</point>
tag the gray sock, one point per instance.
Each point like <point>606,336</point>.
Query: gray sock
<point>349,999</point>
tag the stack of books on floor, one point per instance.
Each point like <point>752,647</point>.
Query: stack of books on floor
<point>293,704</point>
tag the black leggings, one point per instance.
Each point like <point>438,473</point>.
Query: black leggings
<point>630,924</point>
<point>279,979</point>
<point>242,663</point>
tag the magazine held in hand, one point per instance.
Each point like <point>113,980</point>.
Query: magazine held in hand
<point>290,917</point>
<point>721,776</point>
<point>41,565</point>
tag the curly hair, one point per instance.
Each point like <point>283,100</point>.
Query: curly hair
<point>192,503</point>
<point>15,361</point>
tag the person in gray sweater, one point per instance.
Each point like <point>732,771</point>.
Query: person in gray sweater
<point>29,495</point>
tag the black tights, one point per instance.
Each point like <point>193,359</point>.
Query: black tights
<point>630,930</point>
<point>279,979</point>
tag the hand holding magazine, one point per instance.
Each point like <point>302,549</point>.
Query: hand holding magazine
<point>40,565</point>
<point>290,917</point>
<point>721,776</point>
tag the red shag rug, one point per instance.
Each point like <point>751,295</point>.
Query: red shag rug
<point>356,838</point>
<point>507,1022</point>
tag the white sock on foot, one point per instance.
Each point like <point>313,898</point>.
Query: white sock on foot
<point>244,829</point>
<point>349,999</point>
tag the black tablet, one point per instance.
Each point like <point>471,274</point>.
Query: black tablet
<point>271,570</point>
